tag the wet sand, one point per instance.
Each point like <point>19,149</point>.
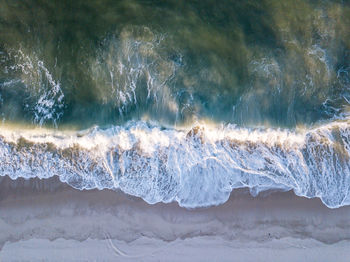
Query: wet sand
<point>45,220</point>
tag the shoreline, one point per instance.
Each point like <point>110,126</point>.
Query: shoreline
<point>39,218</point>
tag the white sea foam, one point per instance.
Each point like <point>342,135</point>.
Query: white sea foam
<point>196,166</point>
<point>39,82</point>
<point>126,61</point>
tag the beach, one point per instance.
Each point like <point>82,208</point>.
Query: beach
<point>177,130</point>
<point>45,220</point>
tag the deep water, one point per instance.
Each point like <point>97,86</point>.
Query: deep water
<point>276,63</point>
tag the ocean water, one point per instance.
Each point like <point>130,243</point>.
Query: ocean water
<point>178,100</point>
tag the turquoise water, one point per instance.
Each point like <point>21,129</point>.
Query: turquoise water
<point>243,94</point>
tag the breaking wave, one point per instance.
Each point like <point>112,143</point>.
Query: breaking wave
<point>247,64</point>
<point>197,166</point>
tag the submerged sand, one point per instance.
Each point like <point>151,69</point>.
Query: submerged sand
<point>45,220</point>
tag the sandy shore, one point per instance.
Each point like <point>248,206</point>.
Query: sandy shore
<point>45,220</point>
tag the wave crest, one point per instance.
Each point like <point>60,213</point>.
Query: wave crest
<point>196,167</point>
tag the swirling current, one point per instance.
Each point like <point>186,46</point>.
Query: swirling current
<point>178,100</point>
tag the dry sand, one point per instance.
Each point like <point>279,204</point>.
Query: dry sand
<point>45,220</point>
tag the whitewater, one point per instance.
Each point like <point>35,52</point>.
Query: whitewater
<point>186,106</point>
<point>196,167</point>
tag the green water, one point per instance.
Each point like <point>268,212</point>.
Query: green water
<point>81,63</point>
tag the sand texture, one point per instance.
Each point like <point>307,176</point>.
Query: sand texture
<point>45,220</point>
